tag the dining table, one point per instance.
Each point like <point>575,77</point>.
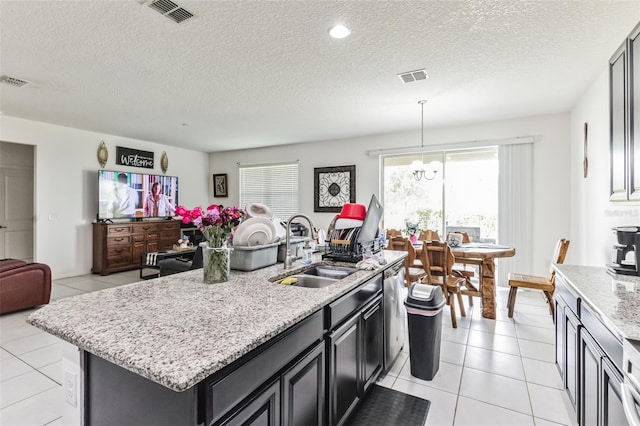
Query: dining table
<point>486,254</point>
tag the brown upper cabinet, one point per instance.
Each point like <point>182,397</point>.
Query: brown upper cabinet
<point>624,116</point>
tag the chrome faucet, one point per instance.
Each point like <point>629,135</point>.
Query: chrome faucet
<point>288,259</point>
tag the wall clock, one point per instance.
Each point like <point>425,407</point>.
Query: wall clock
<point>333,187</point>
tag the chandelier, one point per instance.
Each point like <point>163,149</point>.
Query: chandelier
<point>419,171</point>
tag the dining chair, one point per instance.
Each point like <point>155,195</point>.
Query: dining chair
<point>465,236</point>
<point>413,267</point>
<point>393,233</point>
<point>397,243</point>
<point>472,285</point>
<point>547,285</point>
<point>469,268</point>
<point>437,258</point>
<point>429,235</point>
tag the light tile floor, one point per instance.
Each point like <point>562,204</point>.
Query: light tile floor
<point>492,372</point>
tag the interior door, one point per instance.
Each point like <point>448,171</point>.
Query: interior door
<point>16,201</point>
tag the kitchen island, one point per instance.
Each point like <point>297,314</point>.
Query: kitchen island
<point>176,345</point>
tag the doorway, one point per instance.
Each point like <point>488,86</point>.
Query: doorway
<point>17,196</point>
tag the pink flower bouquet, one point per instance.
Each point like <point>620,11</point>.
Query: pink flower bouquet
<point>216,223</point>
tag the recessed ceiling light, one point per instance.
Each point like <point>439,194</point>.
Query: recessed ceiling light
<point>339,31</point>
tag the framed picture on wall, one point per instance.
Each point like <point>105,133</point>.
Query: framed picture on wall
<point>220,185</point>
<point>333,187</point>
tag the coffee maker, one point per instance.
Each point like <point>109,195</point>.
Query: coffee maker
<point>625,253</point>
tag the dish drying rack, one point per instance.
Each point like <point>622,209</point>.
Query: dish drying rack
<point>343,246</point>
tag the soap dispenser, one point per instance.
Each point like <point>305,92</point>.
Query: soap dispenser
<point>306,253</point>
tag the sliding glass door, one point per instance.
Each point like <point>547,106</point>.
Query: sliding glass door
<point>461,196</point>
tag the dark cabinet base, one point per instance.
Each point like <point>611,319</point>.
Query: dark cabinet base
<point>587,356</point>
<point>262,410</point>
<point>115,396</point>
<point>304,376</point>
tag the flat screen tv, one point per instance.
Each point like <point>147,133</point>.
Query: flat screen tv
<point>136,195</point>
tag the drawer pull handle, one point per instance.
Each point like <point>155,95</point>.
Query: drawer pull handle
<point>118,239</point>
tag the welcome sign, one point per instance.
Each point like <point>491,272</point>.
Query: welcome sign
<point>134,157</point>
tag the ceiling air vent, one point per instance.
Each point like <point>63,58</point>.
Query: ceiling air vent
<point>411,76</point>
<point>13,81</point>
<point>171,10</point>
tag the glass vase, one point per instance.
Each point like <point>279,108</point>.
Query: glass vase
<point>216,264</point>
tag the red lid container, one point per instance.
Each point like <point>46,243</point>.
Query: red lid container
<point>353,211</point>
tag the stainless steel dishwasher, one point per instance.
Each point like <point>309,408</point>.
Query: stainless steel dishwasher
<point>394,313</point>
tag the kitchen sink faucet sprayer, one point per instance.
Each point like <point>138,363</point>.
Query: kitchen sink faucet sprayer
<point>288,259</point>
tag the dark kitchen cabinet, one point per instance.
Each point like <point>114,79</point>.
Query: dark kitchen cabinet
<point>560,332</point>
<point>560,339</point>
<point>589,378</point>
<point>314,373</point>
<point>571,347</point>
<point>355,348</point>
<point>344,370</point>
<point>294,398</point>
<point>600,386</point>
<point>624,120</point>
<point>633,77</point>
<point>618,124</point>
<point>303,391</point>
<point>263,410</point>
<point>373,343</point>
<point>612,410</point>
<point>589,359</point>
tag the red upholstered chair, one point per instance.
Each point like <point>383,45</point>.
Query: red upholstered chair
<point>23,285</point>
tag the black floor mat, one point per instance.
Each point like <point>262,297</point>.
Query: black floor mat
<point>387,407</point>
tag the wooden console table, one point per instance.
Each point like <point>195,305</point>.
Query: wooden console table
<point>118,246</point>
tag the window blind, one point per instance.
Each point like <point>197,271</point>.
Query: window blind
<point>274,185</point>
<point>515,219</point>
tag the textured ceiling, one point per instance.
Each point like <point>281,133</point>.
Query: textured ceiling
<point>244,74</point>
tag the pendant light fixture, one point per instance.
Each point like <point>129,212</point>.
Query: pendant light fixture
<point>418,166</point>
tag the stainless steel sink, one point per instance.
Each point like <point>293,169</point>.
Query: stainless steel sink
<point>328,271</point>
<point>311,281</point>
<point>316,276</point>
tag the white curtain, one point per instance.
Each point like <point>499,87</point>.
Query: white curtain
<point>515,220</point>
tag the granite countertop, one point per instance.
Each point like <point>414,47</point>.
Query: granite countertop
<point>614,298</point>
<point>176,331</point>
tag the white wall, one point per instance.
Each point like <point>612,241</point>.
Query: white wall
<point>67,184</point>
<point>66,173</point>
<point>593,215</point>
<point>551,170</point>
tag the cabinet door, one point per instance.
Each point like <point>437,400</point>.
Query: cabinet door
<point>344,370</point>
<point>139,248</point>
<point>618,124</point>
<point>152,246</point>
<point>634,113</point>
<point>372,343</point>
<point>303,387</point>
<point>612,410</point>
<point>262,410</point>
<point>572,325</point>
<point>561,337</point>
<point>589,379</point>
